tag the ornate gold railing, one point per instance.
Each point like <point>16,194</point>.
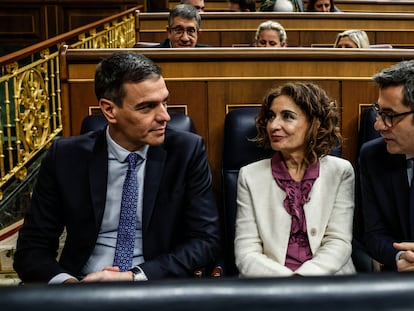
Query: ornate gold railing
<point>30,97</point>
<point>30,113</point>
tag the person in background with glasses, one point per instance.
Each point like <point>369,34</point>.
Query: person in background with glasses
<point>183,28</point>
<point>198,4</point>
<point>386,172</point>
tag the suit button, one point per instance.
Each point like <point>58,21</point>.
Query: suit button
<point>313,232</point>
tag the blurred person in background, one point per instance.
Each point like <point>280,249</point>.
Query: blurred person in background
<point>352,39</point>
<point>270,34</point>
<point>281,6</point>
<point>198,4</point>
<point>322,6</point>
<point>242,5</point>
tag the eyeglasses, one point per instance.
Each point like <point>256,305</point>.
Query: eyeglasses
<point>386,116</point>
<point>179,31</point>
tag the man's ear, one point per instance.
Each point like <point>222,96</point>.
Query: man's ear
<point>108,109</point>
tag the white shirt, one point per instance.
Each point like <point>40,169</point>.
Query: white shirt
<point>283,6</point>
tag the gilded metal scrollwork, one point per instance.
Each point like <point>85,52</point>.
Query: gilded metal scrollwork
<point>32,107</point>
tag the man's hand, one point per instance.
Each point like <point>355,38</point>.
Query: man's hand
<point>108,274</point>
<point>406,260</point>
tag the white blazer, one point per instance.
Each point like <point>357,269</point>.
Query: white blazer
<point>263,225</point>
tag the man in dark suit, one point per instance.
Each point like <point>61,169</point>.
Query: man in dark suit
<point>385,177</point>
<point>79,189</point>
<point>183,28</point>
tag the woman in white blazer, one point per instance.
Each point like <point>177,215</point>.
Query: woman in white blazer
<point>295,210</point>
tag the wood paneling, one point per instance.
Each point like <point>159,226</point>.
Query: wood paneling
<point>221,29</point>
<point>209,82</point>
<point>376,6</point>
<point>24,22</point>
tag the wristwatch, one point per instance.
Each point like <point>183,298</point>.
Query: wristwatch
<point>138,274</point>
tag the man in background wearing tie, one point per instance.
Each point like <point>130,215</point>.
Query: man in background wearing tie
<point>135,198</point>
<point>386,171</point>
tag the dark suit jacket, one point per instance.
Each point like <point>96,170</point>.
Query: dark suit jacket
<point>180,219</point>
<point>166,44</point>
<point>384,199</point>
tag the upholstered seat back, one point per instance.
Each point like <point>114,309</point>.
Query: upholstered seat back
<point>366,127</point>
<point>238,150</point>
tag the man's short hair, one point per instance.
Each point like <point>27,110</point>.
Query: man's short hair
<point>184,11</point>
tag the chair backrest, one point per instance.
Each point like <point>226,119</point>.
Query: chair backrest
<point>238,150</point>
<point>366,127</point>
<point>179,121</point>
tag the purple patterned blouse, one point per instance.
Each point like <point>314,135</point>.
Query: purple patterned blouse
<point>297,194</point>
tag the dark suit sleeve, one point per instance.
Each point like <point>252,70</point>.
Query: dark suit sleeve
<point>38,239</point>
<point>62,200</point>
<point>183,233</point>
<point>378,205</point>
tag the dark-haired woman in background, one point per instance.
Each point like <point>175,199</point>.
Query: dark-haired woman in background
<point>322,6</point>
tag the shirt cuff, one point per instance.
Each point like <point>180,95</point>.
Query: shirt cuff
<point>60,278</point>
<point>397,257</point>
<point>139,276</point>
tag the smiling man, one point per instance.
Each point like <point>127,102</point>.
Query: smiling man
<point>135,198</point>
<point>183,28</point>
<point>386,170</point>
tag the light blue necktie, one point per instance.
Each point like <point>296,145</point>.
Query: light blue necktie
<point>124,250</point>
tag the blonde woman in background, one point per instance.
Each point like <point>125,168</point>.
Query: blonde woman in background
<point>270,34</point>
<point>352,39</point>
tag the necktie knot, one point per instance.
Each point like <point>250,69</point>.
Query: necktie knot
<point>133,159</point>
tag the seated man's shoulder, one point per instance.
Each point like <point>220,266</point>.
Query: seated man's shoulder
<point>376,145</point>
<point>176,138</point>
<point>78,142</point>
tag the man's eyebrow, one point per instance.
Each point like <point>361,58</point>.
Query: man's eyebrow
<point>147,103</point>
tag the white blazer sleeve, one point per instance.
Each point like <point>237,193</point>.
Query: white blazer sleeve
<point>250,258</point>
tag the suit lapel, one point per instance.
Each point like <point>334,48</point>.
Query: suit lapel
<point>98,175</point>
<point>153,173</point>
<point>399,184</point>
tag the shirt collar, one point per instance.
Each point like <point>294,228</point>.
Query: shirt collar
<point>121,153</point>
